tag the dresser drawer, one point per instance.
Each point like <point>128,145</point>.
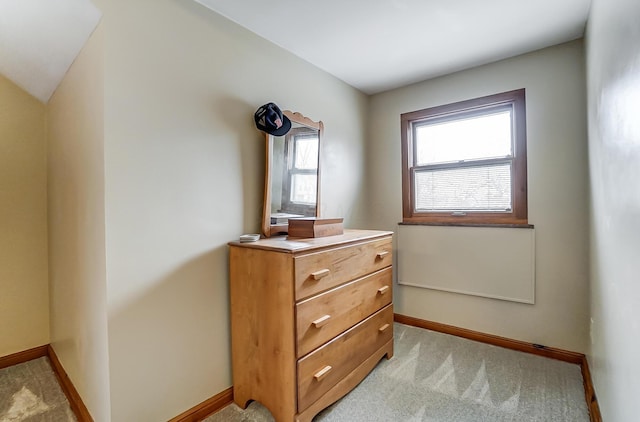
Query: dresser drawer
<point>317,272</point>
<point>322,317</point>
<point>326,366</point>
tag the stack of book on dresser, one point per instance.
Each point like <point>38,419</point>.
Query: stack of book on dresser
<point>315,227</point>
<point>282,217</point>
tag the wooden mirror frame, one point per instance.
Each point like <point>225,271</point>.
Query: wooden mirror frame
<point>269,229</point>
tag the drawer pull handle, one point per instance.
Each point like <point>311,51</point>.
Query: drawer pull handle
<point>383,328</point>
<point>382,290</point>
<point>321,321</point>
<point>382,254</point>
<point>322,373</point>
<point>319,274</point>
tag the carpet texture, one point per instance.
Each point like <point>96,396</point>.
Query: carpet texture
<point>435,377</point>
<point>30,392</point>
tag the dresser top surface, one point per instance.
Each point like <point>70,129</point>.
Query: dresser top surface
<point>293,245</point>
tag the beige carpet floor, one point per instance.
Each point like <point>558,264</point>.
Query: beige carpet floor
<point>435,377</point>
<point>29,392</point>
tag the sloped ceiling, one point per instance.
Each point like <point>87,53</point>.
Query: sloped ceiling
<point>383,44</point>
<point>39,39</point>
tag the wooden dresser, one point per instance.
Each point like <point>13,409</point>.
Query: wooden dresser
<point>310,318</point>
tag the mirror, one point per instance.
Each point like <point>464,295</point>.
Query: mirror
<point>292,174</point>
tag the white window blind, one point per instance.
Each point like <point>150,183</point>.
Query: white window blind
<point>485,188</point>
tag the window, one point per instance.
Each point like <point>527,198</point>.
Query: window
<point>466,163</point>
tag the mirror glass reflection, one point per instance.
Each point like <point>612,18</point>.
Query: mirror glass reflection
<point>295,174</point>
<point>292,174</point>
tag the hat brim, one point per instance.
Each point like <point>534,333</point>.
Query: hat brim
<point>282,130</point>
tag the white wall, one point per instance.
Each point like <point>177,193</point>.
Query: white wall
<point>76,227</point>
<point>613,77</point>
<point>557,193</point>
<point>24,292</point>
<point>184,175</point>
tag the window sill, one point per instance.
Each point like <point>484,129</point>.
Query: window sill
<point>461,224</point>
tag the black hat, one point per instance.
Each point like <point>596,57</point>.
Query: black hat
<point>269,118</point>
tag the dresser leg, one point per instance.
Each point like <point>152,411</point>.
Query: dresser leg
<point>241,399</point>
<point>348,383</point>
<point>279,414</point>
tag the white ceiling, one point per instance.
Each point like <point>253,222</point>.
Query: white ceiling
<point>373,45</point>
<point>376,45</point>
<point>39,39</point>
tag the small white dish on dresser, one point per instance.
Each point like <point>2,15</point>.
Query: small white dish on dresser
<point>252,237</point>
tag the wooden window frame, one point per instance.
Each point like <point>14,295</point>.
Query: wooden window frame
<point>519,214</point>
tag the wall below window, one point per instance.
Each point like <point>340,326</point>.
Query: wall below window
<point>24,292</point>
<point>456,259</point>
<point>554,79</point>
